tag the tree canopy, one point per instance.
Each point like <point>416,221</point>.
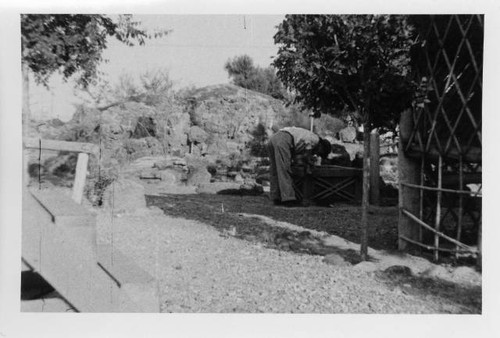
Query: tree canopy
<point>73,44</point>
<point>244,73</point>
<point>356,62</point>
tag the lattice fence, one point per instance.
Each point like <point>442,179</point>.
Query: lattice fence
<point>446,134</point>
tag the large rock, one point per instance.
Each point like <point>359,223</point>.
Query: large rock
<point>217,146</point>
<point>147,146</point>
<point>348,134</point>
<point>168,162</point>
<point>197,135</point>
<point>232,113</point>
<point>198,173</point>
<point>173,176</point>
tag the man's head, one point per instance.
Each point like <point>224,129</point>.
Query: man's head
<point>323,148</point>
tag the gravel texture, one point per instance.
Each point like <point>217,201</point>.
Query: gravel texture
<point>226,261</point>
<point>202,269</point>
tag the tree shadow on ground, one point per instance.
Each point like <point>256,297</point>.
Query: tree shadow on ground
<point>341,220</point>
<point>226,216</point>
<point>468,299</point>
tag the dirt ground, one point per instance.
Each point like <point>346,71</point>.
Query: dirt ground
<point>340,219</point>
<point>343,220</point>
<point>228,253</point>
<point>230,215</point>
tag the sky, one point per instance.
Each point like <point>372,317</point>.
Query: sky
<point>193,52</point>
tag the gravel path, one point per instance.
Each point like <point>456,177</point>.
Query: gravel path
<point>200,269</point>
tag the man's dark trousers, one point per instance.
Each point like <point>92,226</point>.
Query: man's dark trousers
<point>280,149</point>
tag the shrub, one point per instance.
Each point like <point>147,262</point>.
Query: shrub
<point>95,190</point>
<point>258,145</point>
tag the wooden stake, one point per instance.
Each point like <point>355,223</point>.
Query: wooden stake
<point>480,245</point>
<point>429,247</point>
<point>463,192</point>
<point>421,213</point>
<point>460,201</point>
<point>437,224</point>
<point>437,233</point>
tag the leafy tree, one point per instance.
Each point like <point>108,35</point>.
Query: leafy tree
<point>272,84</point>
<point>263,80</point>
<point>242,70</point>
<point>71,45</point>
<point>356,62</point>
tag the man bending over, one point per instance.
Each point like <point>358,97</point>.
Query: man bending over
<point>289,143</point>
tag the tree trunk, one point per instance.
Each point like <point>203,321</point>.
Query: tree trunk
<point>375,168</point>
<point>366,191</point>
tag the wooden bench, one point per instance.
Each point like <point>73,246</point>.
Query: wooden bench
<point>328,183</point>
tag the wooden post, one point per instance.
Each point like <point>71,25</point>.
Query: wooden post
<point>374,168</point>
<point>460,202</point>
<point>366,191</point>
<point>80,176</point>
<point>479,263</point>
<point>437,224</point>
<point>408,172</point>
<point>421,206</point>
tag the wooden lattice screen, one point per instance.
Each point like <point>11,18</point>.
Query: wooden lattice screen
<point>445,137</point>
